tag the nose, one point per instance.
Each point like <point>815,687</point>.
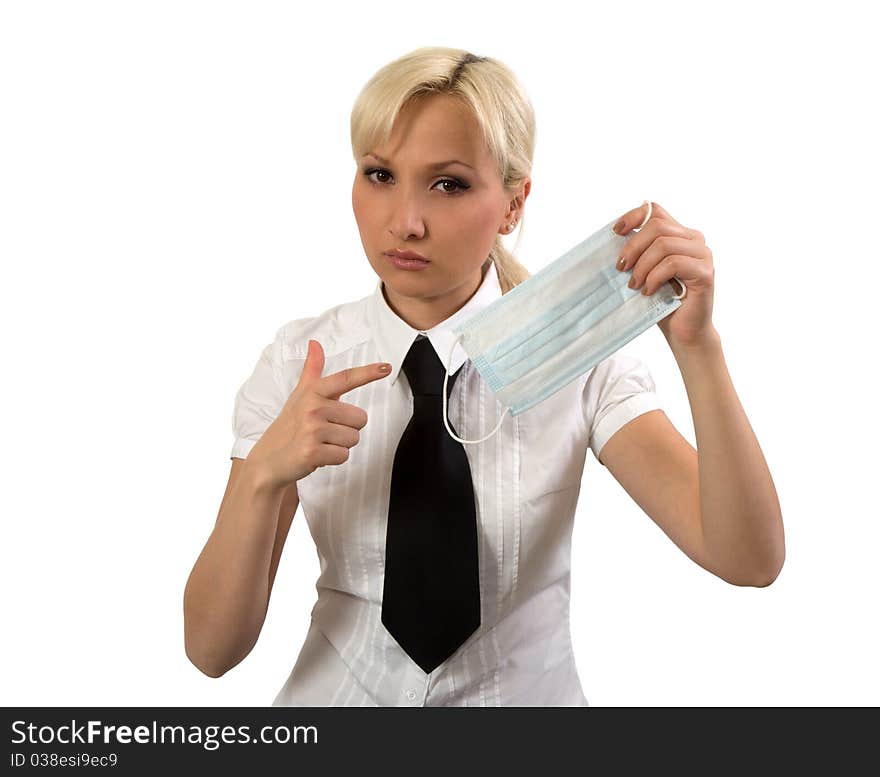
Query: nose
<point>406,220</point>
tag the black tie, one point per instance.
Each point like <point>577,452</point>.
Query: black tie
<point>431,598</point>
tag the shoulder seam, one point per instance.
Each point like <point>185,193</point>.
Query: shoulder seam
<point>583,413</point>
<point>295,352</point>
<point>276,366</point>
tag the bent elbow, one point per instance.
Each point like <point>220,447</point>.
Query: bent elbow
<point>762,569</point>
<point>754,579</point>
<point>207,669</point>
<point>205,666</point>
<point>777,566</point>
<point>769,577</point>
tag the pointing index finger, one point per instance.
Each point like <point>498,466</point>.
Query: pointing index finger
<point>333,386</point>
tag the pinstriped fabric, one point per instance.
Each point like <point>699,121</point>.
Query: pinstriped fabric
<point>500,509</point>
<point>345,693</point>
<point>459,390</point>
<point>383,484</point>
<point>515,507</point>
<point>481,468</point>
<point>526,483</point>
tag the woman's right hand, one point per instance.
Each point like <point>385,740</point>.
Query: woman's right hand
<point>313,428</point>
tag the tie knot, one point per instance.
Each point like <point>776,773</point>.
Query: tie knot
<point>425,371</point>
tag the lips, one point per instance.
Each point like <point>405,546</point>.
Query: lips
<point>407,264</point>
<point>406,255</point>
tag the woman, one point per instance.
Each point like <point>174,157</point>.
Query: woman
<point>406,616</point>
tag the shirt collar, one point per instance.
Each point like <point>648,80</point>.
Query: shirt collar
<point>394,336</point>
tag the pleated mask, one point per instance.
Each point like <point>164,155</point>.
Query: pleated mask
<point>557,324</point>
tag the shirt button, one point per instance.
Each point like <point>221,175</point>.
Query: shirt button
<point>410,694</point>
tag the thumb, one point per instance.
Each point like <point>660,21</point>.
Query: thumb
<point>314,365</point>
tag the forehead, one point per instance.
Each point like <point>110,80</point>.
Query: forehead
<point>435,127</point>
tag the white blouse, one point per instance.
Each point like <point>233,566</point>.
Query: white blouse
<point>526,484</point>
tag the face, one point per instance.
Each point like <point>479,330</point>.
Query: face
<point>448,214</point>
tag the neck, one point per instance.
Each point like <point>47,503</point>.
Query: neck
<point>424,313</point>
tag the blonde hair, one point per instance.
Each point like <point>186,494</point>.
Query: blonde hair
<point>498,102</point>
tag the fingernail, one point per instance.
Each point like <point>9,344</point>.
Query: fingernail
<point>619,226</point>
<point>384,368</point>
<point>621,263</point>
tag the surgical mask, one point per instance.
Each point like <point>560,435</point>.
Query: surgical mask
<point>557,324</point>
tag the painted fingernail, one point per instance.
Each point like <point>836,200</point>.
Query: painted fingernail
<point>632,282</point>
<point>621,263</point>
<point>619,226</point>
<point>384,368</point>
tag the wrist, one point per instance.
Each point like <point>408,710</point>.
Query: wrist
<point>259,479</point>
<point>707,342</point>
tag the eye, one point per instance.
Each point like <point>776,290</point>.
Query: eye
<point>461,186</point>
<point>370,172</point>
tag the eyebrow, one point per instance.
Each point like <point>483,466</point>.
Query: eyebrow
<point>432,166</point>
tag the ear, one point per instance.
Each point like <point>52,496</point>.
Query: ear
<point>521,192</point>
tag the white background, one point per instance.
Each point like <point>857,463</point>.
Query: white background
<point>175,183</point>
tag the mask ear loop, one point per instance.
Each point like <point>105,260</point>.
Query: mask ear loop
<point>645,221</point>
<point>445,420</point>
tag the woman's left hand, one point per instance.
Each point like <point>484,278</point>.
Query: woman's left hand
<point>661,249</point>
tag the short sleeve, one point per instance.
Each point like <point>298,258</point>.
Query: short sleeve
<point>259,399</point>
<point>618,389</point>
